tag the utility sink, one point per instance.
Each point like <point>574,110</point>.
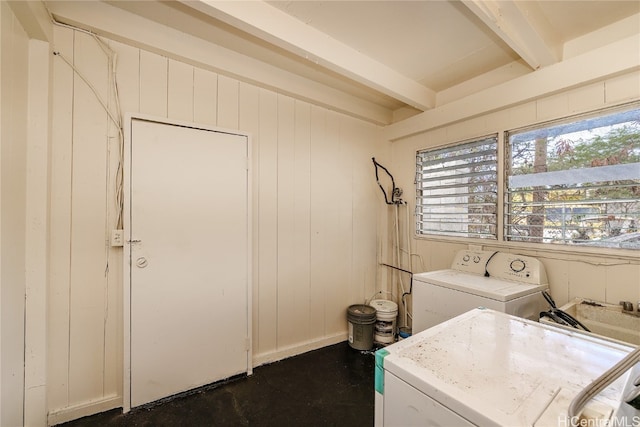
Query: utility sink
<point>606,320</point>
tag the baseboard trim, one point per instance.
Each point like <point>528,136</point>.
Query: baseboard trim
<point>83,409</point>
<point>114,401</point>
<point>294,350</point>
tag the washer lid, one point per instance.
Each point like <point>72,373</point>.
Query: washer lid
<point>487,287</point>
<point>495,369</point>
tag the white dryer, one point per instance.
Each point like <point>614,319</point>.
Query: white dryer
<point>504,282</point>
<point>485,368</point>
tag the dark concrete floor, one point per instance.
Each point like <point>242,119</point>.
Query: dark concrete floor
<point>332,386</point>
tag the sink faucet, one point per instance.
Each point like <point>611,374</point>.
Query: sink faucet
<point>627,308</point>
<point>626,305</point>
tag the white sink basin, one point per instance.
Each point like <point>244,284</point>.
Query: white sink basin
<point>605,320</point>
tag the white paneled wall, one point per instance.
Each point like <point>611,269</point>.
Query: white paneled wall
<point>316,212</point>
<point>14,53</point>
<point>572,274</point>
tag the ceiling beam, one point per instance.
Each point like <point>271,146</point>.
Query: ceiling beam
<point>522,26</point>
<point>134,30</point>
<point>283,30</point>
<point>615,59</point>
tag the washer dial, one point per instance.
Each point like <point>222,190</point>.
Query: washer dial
<point>517,265</point>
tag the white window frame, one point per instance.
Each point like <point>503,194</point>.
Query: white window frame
<point>449,219</point>
<point>571,180</point>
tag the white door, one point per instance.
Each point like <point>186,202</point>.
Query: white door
<point>188,258</point>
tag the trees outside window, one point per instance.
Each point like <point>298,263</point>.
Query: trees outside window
<point>575,182</point>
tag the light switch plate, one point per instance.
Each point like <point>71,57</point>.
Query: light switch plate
<point>117,237</point>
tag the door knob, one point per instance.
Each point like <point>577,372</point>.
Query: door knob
<point>142,262</point>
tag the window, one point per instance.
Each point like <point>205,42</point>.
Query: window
<point>576,182</point>
<point>457,189</point>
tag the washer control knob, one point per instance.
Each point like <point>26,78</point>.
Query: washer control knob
<point>517,265</point>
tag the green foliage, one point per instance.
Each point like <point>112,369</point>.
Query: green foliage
<point>574,148</point>
<point>620,145</point>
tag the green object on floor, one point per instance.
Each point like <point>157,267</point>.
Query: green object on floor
<point>379,376</point>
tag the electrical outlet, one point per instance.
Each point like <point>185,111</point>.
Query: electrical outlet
<point>117,237</point>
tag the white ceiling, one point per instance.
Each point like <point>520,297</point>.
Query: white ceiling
<point>407,56</point>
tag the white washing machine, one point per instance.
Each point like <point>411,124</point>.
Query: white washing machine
<point>500,281</point>
<point>486,368</point>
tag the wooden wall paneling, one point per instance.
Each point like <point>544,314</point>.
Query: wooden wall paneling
<point>302,214</point>
<point>346,159</point>
<point>384,249</point>
<point>13,173</point>
<point>250,122</point>
<point>6,18</point>
<point>558,276</point>
<point>153,84</point>
<point>519,114</point>
<point>587,280</point>
<point>37,233</point>
<point>371,212</point>
<point>381,235</point>
<point>88,229</point>
<point>622,283</point>
<point>227,102</point>
<point>473,128</point>
<point>60,223</point>
<point>552,107</point>
<point>355,286</point>
<point>128,80</point>
<point>267,233</point>
<point>287,274</point>
<point>113,321</point>
<point>320,205</point>
<point>365,208</point>
<point>622,88</point>
<point>180,91</point>
<point>339,210</point>
<point>586,98</point>
<point>205,96</point>
<point>128,76</point>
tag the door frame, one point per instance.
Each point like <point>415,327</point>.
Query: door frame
<point>126,253</point>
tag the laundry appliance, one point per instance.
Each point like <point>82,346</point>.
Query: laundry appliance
<point>501,281</point>
<point>487,368</point>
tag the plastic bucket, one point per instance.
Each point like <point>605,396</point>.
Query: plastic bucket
<point>386,314</point>
<point>404,332</point>
<point>361,319</point>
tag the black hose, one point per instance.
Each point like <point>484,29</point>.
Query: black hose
<point>393,184</point>
<point>410,279</point>
<point>570,319</point>
<point>559,316</point>
<point>556,319</point>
